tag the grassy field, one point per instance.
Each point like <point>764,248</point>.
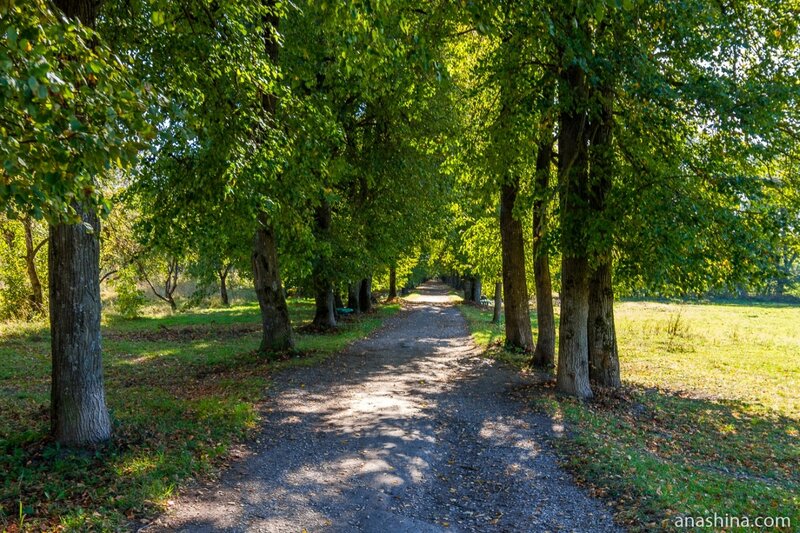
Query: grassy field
<point>708,421</point>
<point>182,389</point>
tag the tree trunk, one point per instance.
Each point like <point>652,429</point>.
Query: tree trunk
<point>78,407</point>
<point>603,355</point>
<point>573,345</point>
<point>365,295</point>
<point>498,302</point>
<point>78,414</point>
<point>545,352</point>
<point>353,290</point>
<point>223,285</point>
<point>515,289</point>
<point>325,308</point>
<point>37,297</point>
<point>467,290</point>
<point>477,289</point>
<point>276,326</point>
<point>325,316</point>
<point>392,283</point>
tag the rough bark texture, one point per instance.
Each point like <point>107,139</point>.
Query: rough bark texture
<point>498,302</point>
<point>36,297</point>
<point>78,414</point>
<point>477,289</point>
<point>78,407</point>
<point>392,283</point>
<point>573,345</point>
<point>276,326</point>
<point>325,308</point>
<point>365,295</point>
<point>603,355</point>
<point>545,352</point>
<point>325,315</point>
<point>518,321</point>
<point>353,290</point>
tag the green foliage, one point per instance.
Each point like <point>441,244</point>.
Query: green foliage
<point>130,299</point>
<point>70,110</point>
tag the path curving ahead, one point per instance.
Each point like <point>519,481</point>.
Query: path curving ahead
<point>408,430</point>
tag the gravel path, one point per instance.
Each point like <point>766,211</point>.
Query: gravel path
<point>405,431</point>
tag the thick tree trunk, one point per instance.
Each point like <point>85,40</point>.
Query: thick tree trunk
<point>515,289</point>
<point>365,295</point>
<point>78,407</point>
<point>325,308</point>
<point>603,354</point>
<point>392,283</point>
<point>276,326</point>
<point>325,316</point>
<point>353,290</point>
<point>477,289</point>
<point>37,297</point>
<point>573,345</point>
<point>78,414</point>
<point>545,352</point>
<point>498,302</point>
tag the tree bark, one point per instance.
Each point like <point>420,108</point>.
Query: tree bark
<point>477,289</point>
<point>498,302</point>
<point>572,376</point>
<point>515,289</point>
<point>223,285</point>
<point>37,297</point>
<point>603,354</point>
<point>365,295</point>
<point>353,290</point>
<point>467,290</point>
<point>545,352</point>
<point>325,315</point>
<point>392,283</point>
<point>276,325</point>
<point>78,413</point>
<point>78,407</point>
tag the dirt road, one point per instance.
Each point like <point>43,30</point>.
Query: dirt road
<point>409,430</point>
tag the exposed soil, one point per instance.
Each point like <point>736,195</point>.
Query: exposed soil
<point>408,430</point>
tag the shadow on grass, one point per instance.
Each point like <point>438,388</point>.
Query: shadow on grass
<point>177,406</point>
<point>662,454</point>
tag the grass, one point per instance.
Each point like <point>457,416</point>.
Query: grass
<point>181,388</point>
<point>708,421</point>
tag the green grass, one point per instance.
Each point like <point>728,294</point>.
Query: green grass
<point>181,388</point>
<point>708,421</point>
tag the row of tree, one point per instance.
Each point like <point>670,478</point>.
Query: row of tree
<point>649,146</point>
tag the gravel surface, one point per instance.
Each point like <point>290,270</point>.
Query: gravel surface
<point>408,430</point>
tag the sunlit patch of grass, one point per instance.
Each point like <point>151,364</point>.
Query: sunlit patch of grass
<point>177,405</point>
<point>708,421</point>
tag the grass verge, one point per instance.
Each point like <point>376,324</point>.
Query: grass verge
<point>708,421</point>
<point>182,389</point>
